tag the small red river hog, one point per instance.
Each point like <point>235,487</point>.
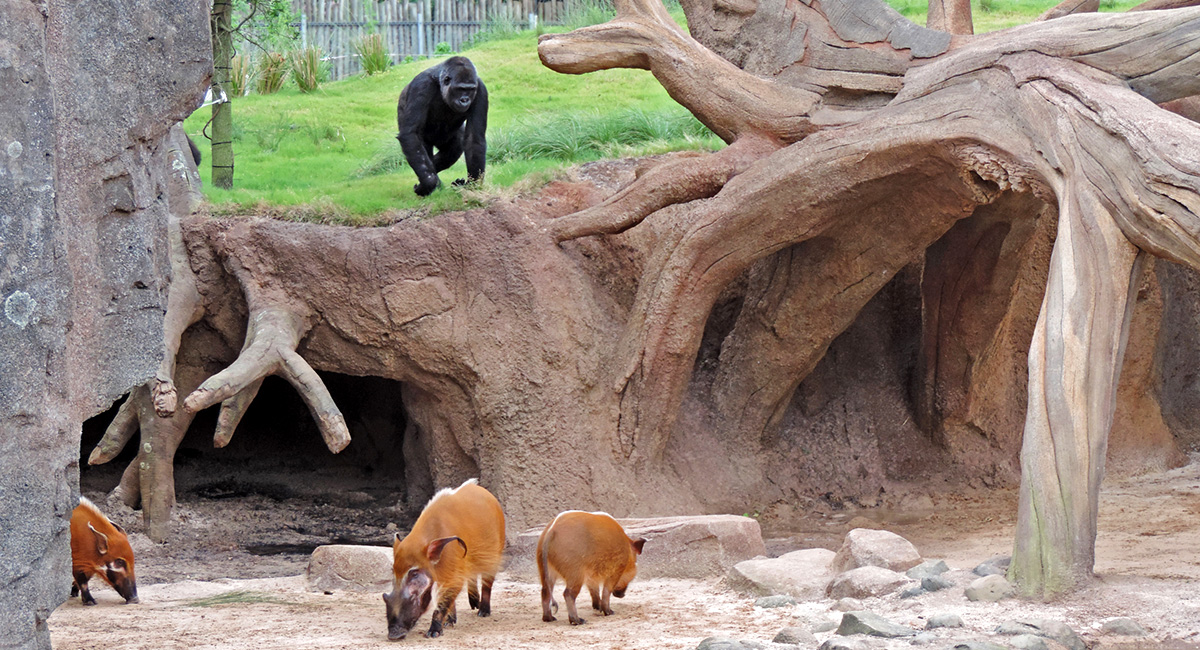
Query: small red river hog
<point>585,548</point>
<point>458,538</point>
<point>100,547</point>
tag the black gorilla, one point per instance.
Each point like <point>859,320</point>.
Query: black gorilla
<point>445,107</point>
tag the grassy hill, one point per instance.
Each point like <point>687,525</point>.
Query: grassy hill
<point>332,155</point>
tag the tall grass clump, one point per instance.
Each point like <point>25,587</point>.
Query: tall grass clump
<point>372,53</point>
<point>496,29</point>
<point>581,136</point>
<point>272,71</point>
<point>585,13</point>
<point>308,70</point>
<point>241,75</point>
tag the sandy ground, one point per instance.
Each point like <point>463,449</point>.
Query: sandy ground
<point>1148,568</point>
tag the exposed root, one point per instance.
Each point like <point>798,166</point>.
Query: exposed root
<point>677,181</point>
<point>271,339</point>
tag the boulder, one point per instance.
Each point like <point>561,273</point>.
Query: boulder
<point>795,636</point>
<point>880,548</point>
<point>943,620</point>
<point>770,602</point>
<point>872,625</point>
<point>695,547</point>
<point>1122,626</point>
<point>927,569</point>
<point>990,589</point>
<point>865,582</point>
<point>993,566</point>
<point>801,574</point>
<point>336,567</point>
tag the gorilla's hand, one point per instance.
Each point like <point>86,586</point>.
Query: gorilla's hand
<point>427,186</point>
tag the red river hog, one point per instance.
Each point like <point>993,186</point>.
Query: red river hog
<point>100,547</point>
<point>585,548</point>
<point>458,538</point>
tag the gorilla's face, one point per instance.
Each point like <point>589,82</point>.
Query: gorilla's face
<point>459,84</point>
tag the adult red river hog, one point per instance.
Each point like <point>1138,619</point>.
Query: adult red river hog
<point>458,538</point>
<point>585,548</point>
<point>100,547</point>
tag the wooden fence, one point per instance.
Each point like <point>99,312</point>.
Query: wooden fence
<point>410,29</point>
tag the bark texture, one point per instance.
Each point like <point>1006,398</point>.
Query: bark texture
<point>684,336</point>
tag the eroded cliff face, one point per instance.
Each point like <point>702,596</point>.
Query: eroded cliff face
<point>90,92</point>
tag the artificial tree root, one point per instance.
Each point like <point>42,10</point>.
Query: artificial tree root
<point>670,183</point>
<point>271,340</point>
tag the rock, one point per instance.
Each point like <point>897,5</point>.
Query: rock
<point>795,636</point>
<point>769,602</point>
<point>865,582</point>
<point>843,643</point>
<point>348,567</point>
<point>1028,642</point>
<point>936,583</point>
<point>943,620</point>
<point>1123,626</point>
<point>990,589</point>
<point>697,547</point>
<point>927,569</point>
<point>871,625</point>
<point>923,638</point>
<point>1055,630</point>
<point>84,282</point>
<point>913,592</point>
<point>724,643</point>
<point>848,605</point>
<point>879,548</point>
<point>979,645</point>
<point>996,565</point>
<point>802,574</point>
<point>822,625</point>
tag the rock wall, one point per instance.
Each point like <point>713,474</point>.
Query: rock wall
<point>90,91</point>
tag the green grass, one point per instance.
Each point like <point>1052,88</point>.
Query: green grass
<point>334,151</point>
<point>331,155</point>
<point>991,15</point>
<point>234,598</point>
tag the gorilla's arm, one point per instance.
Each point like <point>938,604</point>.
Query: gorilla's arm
<point>475,138</point>
<point>413,111</point>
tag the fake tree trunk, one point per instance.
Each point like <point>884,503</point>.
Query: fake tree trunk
<point>550,344</point>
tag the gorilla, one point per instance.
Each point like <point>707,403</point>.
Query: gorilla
<point>445,107</point>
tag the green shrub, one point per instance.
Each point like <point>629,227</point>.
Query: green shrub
<point>241,75</point>
<point>308,69</point>
<point>272,71</point>
<point>442,49</point>
<point>585,13</point>
<point>495,29</point>
<point>373,54</point>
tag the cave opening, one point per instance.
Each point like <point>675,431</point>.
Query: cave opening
<point>276,489</point>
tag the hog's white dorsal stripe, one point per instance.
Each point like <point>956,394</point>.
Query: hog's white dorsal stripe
<point>444,491</point>
<point>87,503</point>
<point>564,512</point>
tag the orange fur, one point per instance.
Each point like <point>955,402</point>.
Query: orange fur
<point>471,514</point>
<point>585,548</point>
<point>100,547</point>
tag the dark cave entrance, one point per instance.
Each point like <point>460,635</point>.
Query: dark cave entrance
<point>278,472</point>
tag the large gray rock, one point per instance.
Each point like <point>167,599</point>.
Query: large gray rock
<point>87,93</point>
<point>867,581</point>
<point>872,625</point>
<point>801,574</point>
<point>697,547</point>
<point>1050,629</point>
<point>927,569</point>
<point>1123,626</point>
<point>990,589</point>
<point>866,547</point>
<point>348,567</point>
